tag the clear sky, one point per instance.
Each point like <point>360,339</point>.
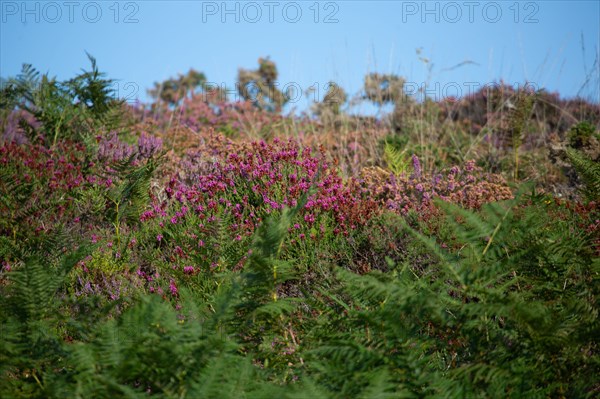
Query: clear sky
<point>463,44</point>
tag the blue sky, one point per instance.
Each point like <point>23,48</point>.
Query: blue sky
<point>553,44</point>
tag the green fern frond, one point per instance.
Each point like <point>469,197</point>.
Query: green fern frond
<point>589,172</point>
<point>131,195</point>
<point>395,159</point>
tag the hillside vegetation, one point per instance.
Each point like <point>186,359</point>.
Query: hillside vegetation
<point>196,247</point>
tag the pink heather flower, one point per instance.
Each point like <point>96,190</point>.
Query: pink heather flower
<point>416,165</point>
<point>159,237</point>
<point>296,226</point>
<point>94,238</point>
<point>148,145</point>
<point>419,187</point>
<point>200,243</point>
<point>188,269</point>
<point>309,218</point>
<point>174,220</point>
<point>173,288</point>
<point>146,215</point>
<point>179,251</point>
<point>470,166</point>
<point>238,238</point>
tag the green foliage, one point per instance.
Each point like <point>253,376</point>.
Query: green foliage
<point>150,349</point>
<point>173,90</point>
<point>435,301</point>
<point>329,110</point>
<point>396,159</point>
<point>382,88</point>
<point>520,114</point>
<point>580,134</point>
<point>72,109</point>
<point>589,172</point>
<point>265,271</point>
<point>130,195</point>
<point>520,295</point>
<point>260,86</point>
<point>30,314</point>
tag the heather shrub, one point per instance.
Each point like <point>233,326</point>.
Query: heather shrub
<point>38,189</point>
<point>207,217</point>
<point>468,186</point>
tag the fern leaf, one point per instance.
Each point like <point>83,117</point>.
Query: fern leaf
<point>588,170</point>
<point>395,159</point>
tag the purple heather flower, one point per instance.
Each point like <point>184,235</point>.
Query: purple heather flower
<point>416,165</point>
<point>111,148</point>
<point>188,269</point>
<point>6,266</point>
<point>470,166</point>
<point>148,145</point>
<point>173,288</point>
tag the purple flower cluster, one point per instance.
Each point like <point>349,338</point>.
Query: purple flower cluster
<point>54,175</point>
<point>13,129</point>
<point>112,149</point>
<point>148,145</point>
<point>252,182</point>
<point>469,187</point>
